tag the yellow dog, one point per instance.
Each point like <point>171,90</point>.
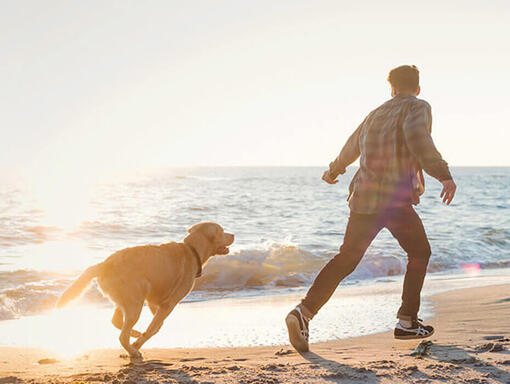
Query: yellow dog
<point>162,275</point>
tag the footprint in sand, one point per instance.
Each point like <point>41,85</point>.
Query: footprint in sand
<point>283,352</point>
<point>496,337</point>
<point>48,361</point>
<point>191,359</point>
<point>157,362</point>
<point>11,380</point>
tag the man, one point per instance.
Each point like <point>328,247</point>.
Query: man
<point>394,145</point>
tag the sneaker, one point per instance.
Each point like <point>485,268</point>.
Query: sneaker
<point>416,331</point>
<point>297,325</point>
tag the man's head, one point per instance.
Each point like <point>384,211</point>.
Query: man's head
<point>404,79</point>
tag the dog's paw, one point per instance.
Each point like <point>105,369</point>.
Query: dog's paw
<point>135,356</point>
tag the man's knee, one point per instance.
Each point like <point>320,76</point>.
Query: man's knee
<point>347,260</point>
<point>425,253</point>
<point>420,257</point>
<point>428,253</point>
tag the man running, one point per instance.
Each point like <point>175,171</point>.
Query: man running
<point>394,145</point>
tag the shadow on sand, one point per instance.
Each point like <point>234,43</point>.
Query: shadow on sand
<point>147,370</point>
<point>443,363</point>
<point>341,372</point>
<point>459,357</point>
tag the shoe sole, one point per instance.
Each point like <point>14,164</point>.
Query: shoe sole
<point>411,337</point>
<point>295,337</point>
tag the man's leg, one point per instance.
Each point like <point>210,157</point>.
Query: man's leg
<point>361,230</point>
<point>406,226</point>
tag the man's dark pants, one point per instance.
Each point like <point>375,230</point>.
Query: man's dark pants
<point>405,225</point>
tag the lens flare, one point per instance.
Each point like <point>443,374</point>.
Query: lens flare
<point>472,269</point>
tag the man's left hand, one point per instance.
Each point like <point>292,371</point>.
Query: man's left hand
<point>448,191</point>
<point>328,179</point>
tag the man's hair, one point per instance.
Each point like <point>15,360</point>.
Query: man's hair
<point>405,78</point>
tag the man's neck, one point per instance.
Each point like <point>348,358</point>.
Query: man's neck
<point>405,94</point>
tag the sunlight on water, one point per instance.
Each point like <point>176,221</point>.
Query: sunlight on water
<point>67,332</point>
<point>58,256</point>
<point>352,311</point>
<point>287,223</point>
<point>63,195</point>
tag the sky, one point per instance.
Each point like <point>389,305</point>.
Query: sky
<point>94,85</point>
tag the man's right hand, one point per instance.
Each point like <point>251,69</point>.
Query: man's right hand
<point>448,191</point>
<point>328,179</point>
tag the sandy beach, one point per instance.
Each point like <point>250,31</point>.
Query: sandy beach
<point>177,176</point>
<point>471,345</point>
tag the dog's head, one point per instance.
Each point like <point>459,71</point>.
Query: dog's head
<point>218,240</point>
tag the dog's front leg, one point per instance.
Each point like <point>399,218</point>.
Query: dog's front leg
<point>157,321</point>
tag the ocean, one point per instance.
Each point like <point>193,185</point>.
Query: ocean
<point>287,223</point>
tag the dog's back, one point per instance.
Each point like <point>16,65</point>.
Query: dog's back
<point>144,272</point>
<point>161,275</point>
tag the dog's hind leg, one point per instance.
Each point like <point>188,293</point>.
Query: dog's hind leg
<point>118,318</point>
<point>162,313</point>
<point>131,314</point>
<point>118,321</point>
<point>153,308</point>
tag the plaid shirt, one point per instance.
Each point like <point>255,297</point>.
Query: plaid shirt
<point>394,145</point>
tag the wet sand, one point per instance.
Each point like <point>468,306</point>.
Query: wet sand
<point>471,345</point>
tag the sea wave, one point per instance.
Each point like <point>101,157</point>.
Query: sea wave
<point>283,266</point>
<point>28,292</point>
<point>274,267</point>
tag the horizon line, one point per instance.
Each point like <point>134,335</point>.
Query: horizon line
<point>24,169</point>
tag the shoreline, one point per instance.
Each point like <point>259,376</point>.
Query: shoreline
<point>466,321</point>
<point>354,310</point>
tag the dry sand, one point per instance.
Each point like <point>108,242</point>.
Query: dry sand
<point>471,345</point>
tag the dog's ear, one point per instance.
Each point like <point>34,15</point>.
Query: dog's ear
<point>193,228</point>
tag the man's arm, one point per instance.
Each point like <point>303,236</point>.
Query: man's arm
<point>417,127</point>
<point>349,153</point>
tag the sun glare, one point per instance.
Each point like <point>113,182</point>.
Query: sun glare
<point>63,196</point>
<point>69,332</point>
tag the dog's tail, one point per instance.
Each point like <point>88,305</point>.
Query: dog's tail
<point>79,285</point>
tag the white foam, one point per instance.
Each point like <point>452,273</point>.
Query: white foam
<point>353,311</point>
<point>284,266</point>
